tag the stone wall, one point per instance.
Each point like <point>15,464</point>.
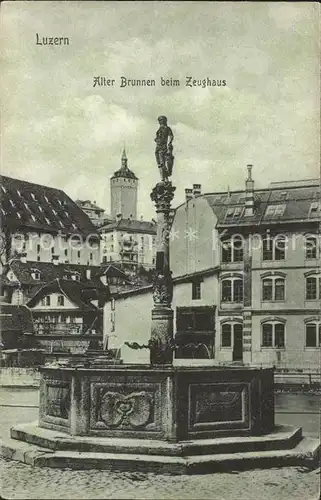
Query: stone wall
<point>19,377</point>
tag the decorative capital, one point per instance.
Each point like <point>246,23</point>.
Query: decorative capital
<point>162,195</point>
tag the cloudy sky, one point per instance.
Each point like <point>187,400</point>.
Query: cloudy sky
<point>60,131</point>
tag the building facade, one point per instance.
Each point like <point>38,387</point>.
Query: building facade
<point>45,225</point>
<point>127,241</point>
<point>96,214</point>
<point>247,280</point>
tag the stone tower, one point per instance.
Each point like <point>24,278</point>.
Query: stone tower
<point>123,191</point>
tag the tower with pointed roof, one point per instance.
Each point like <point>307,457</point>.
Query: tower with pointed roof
<point>123,191</point>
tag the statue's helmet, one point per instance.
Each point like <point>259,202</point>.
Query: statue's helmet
<point>162,119</point>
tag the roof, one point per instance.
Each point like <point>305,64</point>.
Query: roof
<point>49,271</point>
<point>89,205</point>
<point>27,205</point>
<point>75,291</point>
<point>130,225</point>
<point>124,171</point>
<point>15,318</point>
<point>186,278</point>
<point>282,204</point>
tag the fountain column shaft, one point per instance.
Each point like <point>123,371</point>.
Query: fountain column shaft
<point>161,351</point>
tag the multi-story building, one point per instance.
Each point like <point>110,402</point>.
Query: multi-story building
<point>96,214</point>
<point>45,224</point>
<point>247,279</point>
<point>126,240</point>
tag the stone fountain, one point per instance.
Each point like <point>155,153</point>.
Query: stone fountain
<point>158,417</point>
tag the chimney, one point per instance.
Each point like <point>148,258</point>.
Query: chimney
<point>88,274</point>
<point>249,193</point>
<point>188,194</point>
<point>55,260</point>
<point>23,257</point>
<point>196,190</point>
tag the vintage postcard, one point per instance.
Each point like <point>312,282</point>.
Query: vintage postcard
<point>160,280</point>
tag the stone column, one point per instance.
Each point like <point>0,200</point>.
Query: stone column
<point>161,351</point>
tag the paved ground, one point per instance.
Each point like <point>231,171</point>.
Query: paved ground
<point>20,481</point>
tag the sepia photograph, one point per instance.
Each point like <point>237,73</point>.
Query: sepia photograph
<point>160,250</point>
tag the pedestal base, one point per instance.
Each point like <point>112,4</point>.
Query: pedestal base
<point>45,448</point>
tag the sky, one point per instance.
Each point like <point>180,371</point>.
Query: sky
<point>59,130</point>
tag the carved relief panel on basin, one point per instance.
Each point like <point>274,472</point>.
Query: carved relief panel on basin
<point>117,408</point>
<point>133,410</point>
<point>218,406</point>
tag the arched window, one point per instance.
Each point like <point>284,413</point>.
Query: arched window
<point>313,333</point>
<point>232,250</point>
<point>232,289</point>
<point>313,287</point>
<point>273,248</point>
<point>273,288</point>
<point>311,247</point>
<point>229,330</point>
<point>273,334</point>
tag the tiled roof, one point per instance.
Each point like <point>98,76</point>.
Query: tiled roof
<point>75,291</point>
<point>272,205</point>
<point>49,271</point>
<point>130,225</point>
<point>27,205</point>
<point>89,205</point>
<point>124,171</point>
<point>15,318</point>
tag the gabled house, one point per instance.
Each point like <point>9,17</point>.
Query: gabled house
<point>66,311</point>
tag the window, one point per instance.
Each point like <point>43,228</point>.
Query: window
<point>19,216</point>
<point>91,256</point>
<point>313,334</point>
<point>273,334</point>
<point>66,252</point>
<point>196,290</point>
<point>199,319</point>
<point>78,253</point>
<point>314,209</point>
<point>275,210</point>
<point>45,301</point>
<point>38,248</point>
<point>232,290</point>
<point>232,250</point>
<point>61,300</point>
<point>46,199</point>
<point>33,196</point>
<point>313,288</point>
<point>228,331</point>
<point>18,193</point>
<point>311,247</point>
<point>273,288</point>
<point>274,248</point>
<point>11,203</point>
<point>47,220</point>
<point>36,275</point>
<point>3,189</point>
<point>33,218</point>
<point>54,211</point>
<point>40,208</point>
